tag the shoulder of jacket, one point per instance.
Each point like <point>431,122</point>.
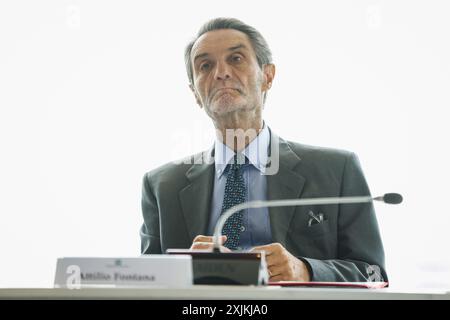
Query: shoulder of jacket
<point>318,153</point>
<point>174,169</point>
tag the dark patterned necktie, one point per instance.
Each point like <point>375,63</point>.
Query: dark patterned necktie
<point>235,194</point>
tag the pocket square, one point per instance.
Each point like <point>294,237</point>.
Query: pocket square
<point>315,218</point>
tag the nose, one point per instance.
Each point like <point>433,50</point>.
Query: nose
<point>223,71</point>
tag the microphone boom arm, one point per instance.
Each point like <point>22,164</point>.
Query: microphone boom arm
<point>283,203</point>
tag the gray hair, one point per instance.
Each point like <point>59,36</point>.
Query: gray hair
<point>259,44</point>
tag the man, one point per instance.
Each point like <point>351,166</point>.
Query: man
<point>230,70</point>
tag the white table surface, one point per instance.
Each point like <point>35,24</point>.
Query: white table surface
<point>203,292</point>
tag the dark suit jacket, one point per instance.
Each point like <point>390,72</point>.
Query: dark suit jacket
<point>176,202</point>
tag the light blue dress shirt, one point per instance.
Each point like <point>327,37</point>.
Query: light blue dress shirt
<point>255,229</point>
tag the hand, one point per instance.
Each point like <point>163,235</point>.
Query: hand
<point>282,265</point>
<point>206,242</point>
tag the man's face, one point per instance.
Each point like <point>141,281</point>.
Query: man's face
<point>227,77</point>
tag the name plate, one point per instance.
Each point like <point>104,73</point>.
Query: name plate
<point>147,270</point>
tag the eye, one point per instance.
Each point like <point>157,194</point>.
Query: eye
<point>236,58</point>
<point>205,66</point>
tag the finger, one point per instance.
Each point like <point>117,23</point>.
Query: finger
<point>223,239</point>
<point>201,238</point>
<point>202,245</point>
<point>224,249</point>
<point>273,260</point>
<point>276,270</point>
<point>268,249</point>
<point>279,277</point>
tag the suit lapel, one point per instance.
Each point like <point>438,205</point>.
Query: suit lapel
<point>195,198</point>
<point>285,184</point>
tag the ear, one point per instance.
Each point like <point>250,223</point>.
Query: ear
<point>268,74</point>
<point>197,98</point>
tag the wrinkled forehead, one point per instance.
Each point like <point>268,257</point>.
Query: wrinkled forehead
<point>218,42</point>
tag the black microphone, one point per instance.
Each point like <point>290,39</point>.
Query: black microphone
<point>390,198</point>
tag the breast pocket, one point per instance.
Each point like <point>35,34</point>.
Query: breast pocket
<point>301,229</point>
<point>317,229</point>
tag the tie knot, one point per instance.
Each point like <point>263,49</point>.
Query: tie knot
<point>239,160</point>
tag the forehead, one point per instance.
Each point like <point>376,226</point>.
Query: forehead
<point>219,41</point>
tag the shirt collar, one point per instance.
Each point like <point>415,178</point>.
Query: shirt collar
<point>256,152</point>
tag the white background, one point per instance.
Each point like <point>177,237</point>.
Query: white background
<point>94,93</point>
